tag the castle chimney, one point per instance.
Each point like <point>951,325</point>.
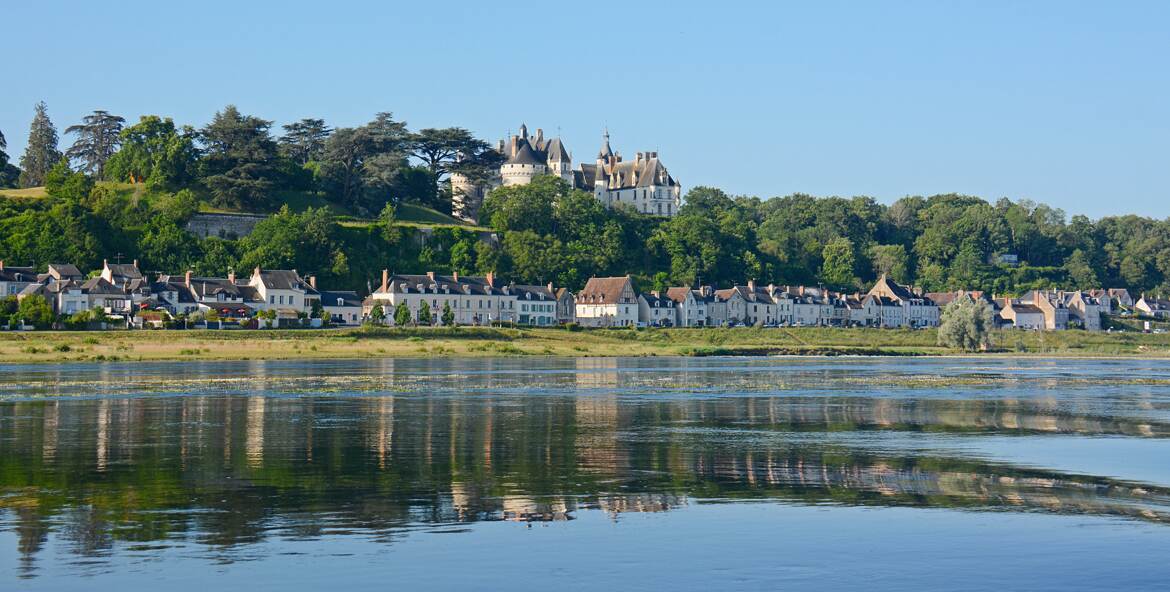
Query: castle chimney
<point>385,279</point>
<point>187,278</point>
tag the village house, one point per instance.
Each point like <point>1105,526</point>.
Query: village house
<point>657,310</point>
<point>690,308</point>
<point>810,306</point>
<point>1051,303</point>
<point>342,307</point>
<point>917,310</point>
<point>474,300</point>
<point>566,306</point>
<point>15,279</point>
<point>535,305</point>
<point>716,308</point>
<point>608,302</point>
<point>1153,306</point>
<point>1121,297</point>
<point>1022,315</point>
<point>1084,309</point>
<point>284,291</point>
<point>61,287</point>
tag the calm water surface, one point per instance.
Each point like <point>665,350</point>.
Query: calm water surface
<point>605,474</point>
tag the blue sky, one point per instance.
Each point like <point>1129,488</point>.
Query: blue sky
<point>1062,102</point>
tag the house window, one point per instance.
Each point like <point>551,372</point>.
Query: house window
<point>272,300</point>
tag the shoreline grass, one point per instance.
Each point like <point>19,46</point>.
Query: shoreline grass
<point>63,346</point>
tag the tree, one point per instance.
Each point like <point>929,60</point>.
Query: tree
<point>9,175</point>
<point>304,141</point>
<point>448,317</point>
<point>41,153</point>
<point>438,149</point>
<point>35,310</point>
<point>98,137</point>
<point>966,324</point>
<point>239,159</point>
<point>359,166</point>
<point>156,153</point>
<point>293,240</point>
<point>317,311</point>
<point>837,269</point>
<point>377,314</point>
<point>424,313</point>
<point>1080,271</point>
<point>890,260</point>
<point>402,315</point>
<point>63,183</point>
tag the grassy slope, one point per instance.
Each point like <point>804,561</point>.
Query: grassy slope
<point>172,345</point>
<point>31,192</point>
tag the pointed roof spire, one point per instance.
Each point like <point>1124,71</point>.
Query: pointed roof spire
<point>523,130</point>
<point>605,149</point>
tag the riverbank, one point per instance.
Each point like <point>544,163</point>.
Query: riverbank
<point>56,347</point>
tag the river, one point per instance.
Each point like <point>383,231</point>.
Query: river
<point>586,474</point>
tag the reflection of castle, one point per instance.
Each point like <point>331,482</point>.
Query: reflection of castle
<point>642,183</point>
<point>392,462</point>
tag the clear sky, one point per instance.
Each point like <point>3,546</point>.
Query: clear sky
<point>1064,102</point>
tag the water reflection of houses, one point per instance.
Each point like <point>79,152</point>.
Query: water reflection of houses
<point>224,465</point>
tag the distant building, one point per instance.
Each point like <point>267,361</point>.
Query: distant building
<point>643,183</point>
<point>15,279</point>
<point>917,309</point>
<point>608,302</point>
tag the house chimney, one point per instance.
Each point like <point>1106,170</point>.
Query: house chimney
<point>550,288</point>
<point>455,274</point>
<point>187,278</point>
<point>385,280</point>
<point>491,279</point>
<point>1,265</point>
<point>231,276</point>
<point>313,282</point>
<point>751,285</point>
<point>431,275</point>
<point>135,264</point>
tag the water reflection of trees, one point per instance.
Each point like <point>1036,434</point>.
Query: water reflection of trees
<point>226,471</point>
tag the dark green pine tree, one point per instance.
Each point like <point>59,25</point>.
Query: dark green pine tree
<point>304,140</point>
<point>238,164</point>
<point>41,153</point>
<point>98,137</point>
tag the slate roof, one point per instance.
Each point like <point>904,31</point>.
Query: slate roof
<point>557,151</point>
<point>208,288</point>
<point>284,279</point>
<point>527,292</point>
<point>100,286</point>
<point>657,301</point>
<point>347,298</point>
<point>424,284</point>
<point>18,274</point>
<point>524,155</point>
<point>65,271</point>
<point>124,270</point>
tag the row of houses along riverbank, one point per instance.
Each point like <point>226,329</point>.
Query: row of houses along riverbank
<point>273,298</point>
